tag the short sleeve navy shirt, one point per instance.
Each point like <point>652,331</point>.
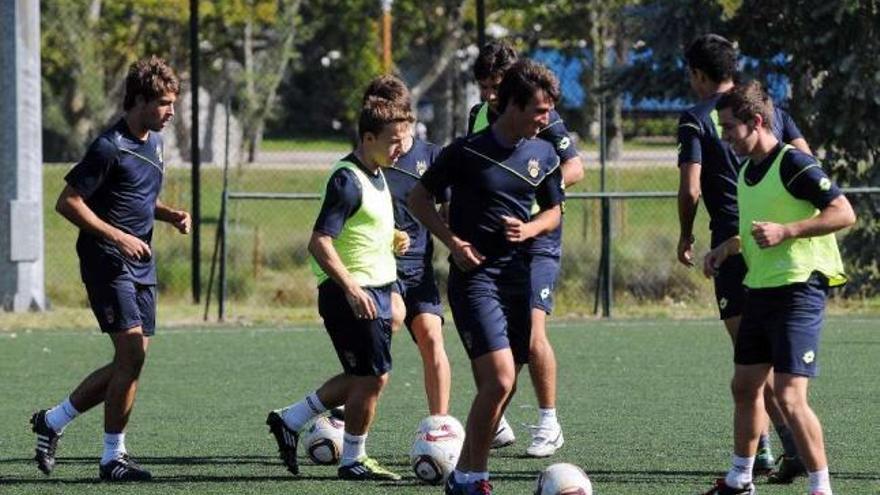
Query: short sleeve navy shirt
<point>801,174</point>
<point>119,178</point>
<point>549,244</point>
<point>402,177</point>
<point>487,181</point>
<point>342,197</point>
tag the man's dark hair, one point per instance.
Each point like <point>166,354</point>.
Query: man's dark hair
<point>747,100</point>
<point>713,54</point>
<point>149,78</point>
<point>494,59</point>
<point>523,80</point>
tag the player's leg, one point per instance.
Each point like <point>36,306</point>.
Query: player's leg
<point>398,310</point>
<point>494,375</point>
<point>796,349</point>
<point>427,330</point>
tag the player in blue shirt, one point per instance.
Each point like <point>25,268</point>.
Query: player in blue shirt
<point>789,211</point>
<point>708,168</point>
<point>546,253</point>
<point>352,257</point>
<point>415,298</point>
<point>112,196</point>
<point>495,177</point>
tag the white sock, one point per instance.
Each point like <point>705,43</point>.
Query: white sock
<point>502,423</point>
<point>297,415</point>
<point>548,417</point>
<point>820,481</point>
<point>479,476</point>
<point>59,416</point>
<point>461,477</point>
<point>353,448</point>
<point>114,447</point>
<point>740,475</point>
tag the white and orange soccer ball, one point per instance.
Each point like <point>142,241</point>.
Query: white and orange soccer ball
<point>436,448</point>
<point>323,440</point>
<point>563,479</point>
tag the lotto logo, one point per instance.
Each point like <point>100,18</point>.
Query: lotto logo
<point>722,303</point>
<point>809,357</point>
<point>545,292</point>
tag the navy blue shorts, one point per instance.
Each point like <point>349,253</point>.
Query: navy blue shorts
<point>544,272</point>
<point>121,304</point>
<point>492,312</point>
<point>418,289</point>
<point>782,325</point>
<point>363,346</point>
<point>730,293</point>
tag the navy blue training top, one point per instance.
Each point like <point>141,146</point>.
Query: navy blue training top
<point>488,180</point>
<point>402,177</point>
<point>699,141</point>
<point>801,174</point>
<point>549,244</point>
<point>119,178</point>
<point>342,198</point>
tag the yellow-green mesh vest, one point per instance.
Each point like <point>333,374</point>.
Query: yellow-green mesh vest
<point>794,260</point>
<point>482,120</point>
<point>365,243</point>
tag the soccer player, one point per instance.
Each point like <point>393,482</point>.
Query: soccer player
<point>352,257</point>
<point>788,212</point>
<point>708,168</point>
<point>546,253</point>
<point>494,178</point>
<point>415,291</point>
<point>112,196</point>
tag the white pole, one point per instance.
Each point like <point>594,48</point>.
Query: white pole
<point>21,158</point>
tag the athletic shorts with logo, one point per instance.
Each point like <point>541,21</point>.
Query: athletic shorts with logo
<point>781,326</point>
<point>121,304</point>
<point>491,308</point>
<point>363,346</point>
<point>544,271</point>
<point>418,289</point>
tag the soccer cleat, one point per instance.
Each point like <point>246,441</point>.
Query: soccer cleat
<point>287,440</point>
<point>123,469</point>
<point>721,488</point>
<point>503,435</point>
<point>788,469</point>
<point>366,468</point>
<point>546,440</point>
<point>47,442</point>
<point>453,488</point>
<point>764,462</point>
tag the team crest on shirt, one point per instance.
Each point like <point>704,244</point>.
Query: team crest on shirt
<point>421,167</point>
<point>534,167</point>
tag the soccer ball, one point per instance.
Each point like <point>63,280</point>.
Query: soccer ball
<point>323,440</point>
<point>563,479</point>
<point>436,448</point>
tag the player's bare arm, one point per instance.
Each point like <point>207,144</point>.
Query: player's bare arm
<point>572,171</point>
<point>179,218</point>
<point>688,200</point>
<point>321,247</point>
<point>837,215</point>
<point>546,221</point>
<point>73,207</point>
<point>421,204</point>
<point>716,257</point>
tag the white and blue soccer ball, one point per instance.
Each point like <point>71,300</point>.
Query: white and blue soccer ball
<point>323,440</point>
<point>436,448</point>
<point>563,479</point>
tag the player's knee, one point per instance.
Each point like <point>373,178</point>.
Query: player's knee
<point>130,361</point>
<point>744,391</point>
<point>790,400</point>
<point>499,387</point>
<point>431,343</point>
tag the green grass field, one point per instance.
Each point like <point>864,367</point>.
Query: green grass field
<point>644,405</point>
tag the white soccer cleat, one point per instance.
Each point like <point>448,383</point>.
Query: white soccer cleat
<point>546,440</point>
<point>503,435</point>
